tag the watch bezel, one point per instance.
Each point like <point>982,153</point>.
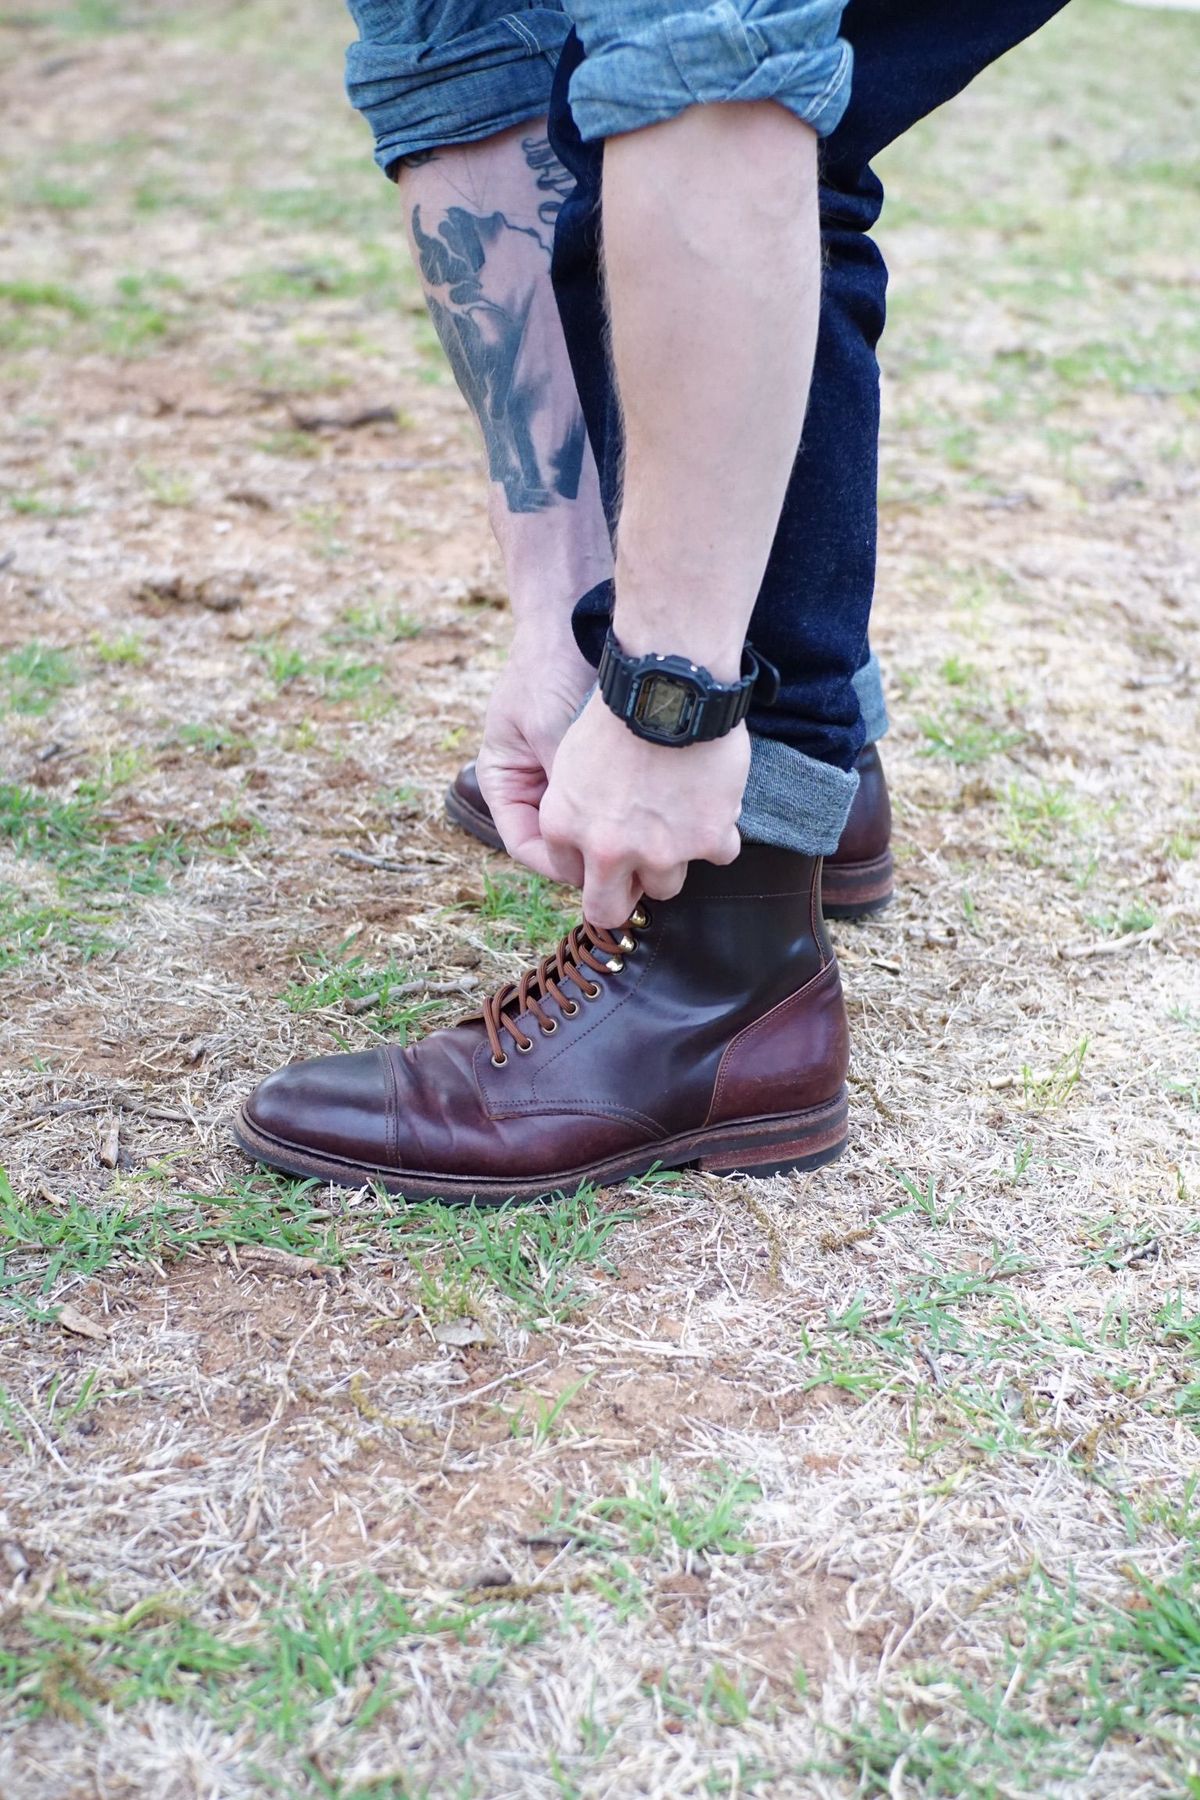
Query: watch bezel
<point>675,673</point>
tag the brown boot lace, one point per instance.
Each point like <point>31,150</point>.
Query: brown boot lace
<point>584,947</point>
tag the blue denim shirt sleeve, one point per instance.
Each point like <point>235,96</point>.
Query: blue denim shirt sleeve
<point>647,61</point>
<point>428,73</point>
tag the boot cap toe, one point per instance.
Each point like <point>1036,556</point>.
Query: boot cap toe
<point>335,1106</point>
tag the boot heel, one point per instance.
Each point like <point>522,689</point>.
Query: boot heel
<point>806,1140</point>
<point>856,890</point>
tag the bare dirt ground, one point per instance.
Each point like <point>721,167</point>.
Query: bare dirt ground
<point>875,1482</point>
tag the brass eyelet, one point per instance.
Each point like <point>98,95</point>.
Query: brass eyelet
<point>571,1007</point>
<point>550,1029</point>
<point>498,1062</point>
<point>640,918</point>
<point>594,992</point>
<point>524,1049</point>
<point>614,965</point>
<point>628,944</point>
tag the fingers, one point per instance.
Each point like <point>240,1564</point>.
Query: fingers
<point>610,893</point>
<point>519,826</point>
<point>612,888</point>
<point>663,884</point>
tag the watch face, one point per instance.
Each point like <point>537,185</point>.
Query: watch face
<point>664,705</point>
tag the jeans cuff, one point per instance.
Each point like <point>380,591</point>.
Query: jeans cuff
<point>422,95</point>
<point>793,801</point>
<point>642,67</point>
<point>868,685</point>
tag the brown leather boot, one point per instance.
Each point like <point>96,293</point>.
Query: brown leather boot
<point>858,878</point>
<point>710,1033</point>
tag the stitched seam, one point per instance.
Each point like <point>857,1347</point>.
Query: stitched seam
<point>393,1111</point>
<point>813,908</point>
<point>523,33</point>
<point>834,79</point>
<point>625,1115</point>
<point>746,1035</point>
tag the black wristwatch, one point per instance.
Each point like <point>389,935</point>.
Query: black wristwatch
<point>669,700</point>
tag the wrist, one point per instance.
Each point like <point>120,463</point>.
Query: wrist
<point>646,625</point>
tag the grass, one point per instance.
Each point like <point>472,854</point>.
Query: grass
<point>136,316</point>
<point>76,1653</point>
<point>524,910</point>
<point>874,1481</point>
<point>652,1518</point>
<point>77,840</point>
<point>33,677</point>
<point>28,930</point>
<point>374,624</point>
<point>336,678</point>
<point>343,978</point>
<point>538,1262</point>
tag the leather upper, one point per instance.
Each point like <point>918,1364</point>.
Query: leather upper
<point>728,1007</point>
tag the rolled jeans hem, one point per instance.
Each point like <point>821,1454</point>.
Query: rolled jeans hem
<point>868,685</point>
<point>793,801</point>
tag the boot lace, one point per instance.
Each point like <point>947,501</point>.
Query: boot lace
<point>585,948</point>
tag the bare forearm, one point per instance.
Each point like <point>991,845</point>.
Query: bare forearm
<point>713,270</point>
<point>481,221</point>
<point>712,256</point>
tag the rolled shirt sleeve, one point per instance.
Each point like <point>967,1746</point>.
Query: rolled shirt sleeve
<point>429,73</point>
<point>647,61</point>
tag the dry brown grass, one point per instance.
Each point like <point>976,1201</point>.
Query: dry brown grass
<point>910,1442</point>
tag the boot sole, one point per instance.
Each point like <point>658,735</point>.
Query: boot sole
<point>775,1146</point>
<point>851,890</point>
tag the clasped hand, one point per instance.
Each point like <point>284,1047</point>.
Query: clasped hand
<point>590,804</point>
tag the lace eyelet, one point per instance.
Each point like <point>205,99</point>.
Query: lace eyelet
<point>641,918</point>
<point>524,1049</point>
<point>627,943</point>
<point>550,1029</point>
<point>499,1062</point>
<point>614,965</point>
<point>570,1008</point>
<point>594,992</point>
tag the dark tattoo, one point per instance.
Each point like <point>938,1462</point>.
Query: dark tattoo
<point>417,159</point>
<point>552,178</point>
<point>483,337</point>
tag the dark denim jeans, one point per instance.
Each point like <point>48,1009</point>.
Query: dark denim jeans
<point>813,609</point>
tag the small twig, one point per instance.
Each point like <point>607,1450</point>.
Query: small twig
<point>364,1002</point>
<point>311,1326</point>
<point>110,1146</point>
<point>1179,672</point>
<point>371,415</point>
<point>381,862</point>
<point>868,1088</point>
<point>1112,946</point>
<point>931,1362</point>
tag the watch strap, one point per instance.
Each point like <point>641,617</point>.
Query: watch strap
<point>718,707</point>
